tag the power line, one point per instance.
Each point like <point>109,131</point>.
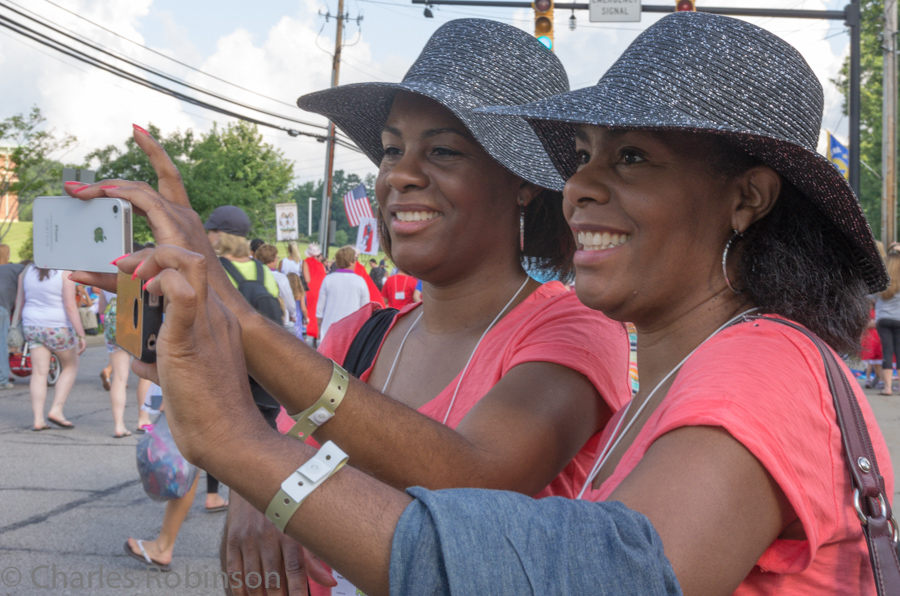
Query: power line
<point>165,56</point>
<point>152,70</point>
<point>93,61</point>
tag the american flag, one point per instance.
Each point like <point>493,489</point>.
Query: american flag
<point>356,204</point>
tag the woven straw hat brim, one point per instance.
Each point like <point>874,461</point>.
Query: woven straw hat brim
<point>708,73</point>
<point>361,110</point>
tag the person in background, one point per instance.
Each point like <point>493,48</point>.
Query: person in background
<point>293,262</point>
<point>116,380</point>
<point>342,292</point>
<point>9,284</point>
<point>360,270</point>
<point>887,319</point>
<point>268,256</point>
<point>314,273</point>
<point>255,244</point>
<point>45,300</point>
<point>398,290</point>
<point>377,273</point>
<point>300,301</point>
<point>417,293</point>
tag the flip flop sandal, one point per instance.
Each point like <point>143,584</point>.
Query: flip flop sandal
<point>144,557</point>
<point>63,424</point>
<point>127,433</point>
<point>39,428</point>
<point>217,509</point>
<point>105,380</point>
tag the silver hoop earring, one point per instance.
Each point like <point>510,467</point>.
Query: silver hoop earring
<point>522,225</point>
<point>725,261</point>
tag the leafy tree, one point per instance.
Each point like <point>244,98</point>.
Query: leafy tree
<point>232,166</point>
<point>871,93</point>
<point>226,166</point>
<point>33,168</point>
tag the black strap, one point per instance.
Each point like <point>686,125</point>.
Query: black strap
<point>232,270</point>
<point>873,507</point>
<point>368,339</point>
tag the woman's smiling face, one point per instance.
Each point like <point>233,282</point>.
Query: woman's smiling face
<point>651,217</point>
<point>446,202</point>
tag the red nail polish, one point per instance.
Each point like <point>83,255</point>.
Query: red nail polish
<point>73,183</point>
<point>108,187</point>
<point>141,130</point>
<point>136,269</point>
<point>147,283</point>
<point>114,261</point>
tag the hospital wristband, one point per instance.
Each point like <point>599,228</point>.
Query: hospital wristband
<point>303,481</point>
<point>322,411</point>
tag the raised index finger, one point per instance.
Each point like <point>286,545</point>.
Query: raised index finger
<point>171,185</point>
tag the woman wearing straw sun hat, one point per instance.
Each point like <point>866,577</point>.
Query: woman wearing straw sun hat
<point>698,201</point>
<point>494,380</point>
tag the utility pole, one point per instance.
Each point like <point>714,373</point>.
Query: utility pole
<point>329,148</point>
<point>889,127</point>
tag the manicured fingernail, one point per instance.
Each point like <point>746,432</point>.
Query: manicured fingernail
<point>74,183</point>
<point>73,278</point>
<point>147,283</point>
<point>140,130</point>
<point>136,269</point>
<point>108,187</point>
<point>114,261</point>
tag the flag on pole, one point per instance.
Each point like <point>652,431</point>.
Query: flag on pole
<point>357,206</point>
<point>839,156</point>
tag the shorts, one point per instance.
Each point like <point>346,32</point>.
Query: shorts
<point>56,339</point>
<point>109,327</point>
<point>871,347</point>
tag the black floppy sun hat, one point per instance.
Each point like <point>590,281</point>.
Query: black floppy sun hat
<point>467,64</point>
<point>700,72</point>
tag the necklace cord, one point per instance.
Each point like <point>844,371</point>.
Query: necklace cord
<point>612,444</point>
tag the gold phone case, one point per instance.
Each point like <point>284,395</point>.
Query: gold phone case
<point>139,316</point>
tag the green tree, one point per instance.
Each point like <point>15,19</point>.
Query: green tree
<point>232,166</point>
<point>871,97</point>
<point>34,168</point>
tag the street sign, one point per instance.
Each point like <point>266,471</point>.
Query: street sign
<point>620,11</point>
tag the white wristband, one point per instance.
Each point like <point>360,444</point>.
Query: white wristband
<point>303,481</point>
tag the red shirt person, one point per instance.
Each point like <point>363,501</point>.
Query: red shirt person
<point>398,290</point>
<point>313,273</point>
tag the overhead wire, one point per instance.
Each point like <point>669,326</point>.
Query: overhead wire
<point>65,49</point>
<point>179,62</point>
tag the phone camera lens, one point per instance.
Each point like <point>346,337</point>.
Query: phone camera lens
<point>115,208</point>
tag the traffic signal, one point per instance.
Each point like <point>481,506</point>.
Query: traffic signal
<point>686,5</point>
<point>543,22</point>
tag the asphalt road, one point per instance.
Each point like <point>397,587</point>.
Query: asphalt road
<point>69,500</point>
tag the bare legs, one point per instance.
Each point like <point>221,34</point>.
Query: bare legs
<point>160,550</point>
<point>143,389</point>
<point>40,368</point>
<point>120,361</point>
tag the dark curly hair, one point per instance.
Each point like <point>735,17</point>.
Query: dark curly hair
<point>549,243</point>
<point>796,263</point>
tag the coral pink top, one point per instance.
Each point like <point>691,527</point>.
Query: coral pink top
<point>551,325</point>
<point>764,383</point>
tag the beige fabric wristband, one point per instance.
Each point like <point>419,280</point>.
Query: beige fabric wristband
<point>305,479</point>
<point>322,411</point>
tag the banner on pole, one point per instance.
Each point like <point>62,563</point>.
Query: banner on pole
<point>367,236</point>
<point>286,221</point>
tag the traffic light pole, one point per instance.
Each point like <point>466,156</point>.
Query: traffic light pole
<point>850,15</point>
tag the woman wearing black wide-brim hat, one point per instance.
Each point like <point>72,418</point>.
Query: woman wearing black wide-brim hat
<point>698,203</point>
<point>494,379</point>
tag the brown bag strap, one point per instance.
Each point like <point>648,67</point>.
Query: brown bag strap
<point>873,508</point>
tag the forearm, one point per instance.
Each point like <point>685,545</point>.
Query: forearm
<point>348,521</point>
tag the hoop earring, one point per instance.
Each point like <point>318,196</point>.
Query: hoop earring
<point>521,225</point>
<point>725,261</point>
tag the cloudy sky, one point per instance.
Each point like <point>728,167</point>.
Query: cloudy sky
<point>267,54</point>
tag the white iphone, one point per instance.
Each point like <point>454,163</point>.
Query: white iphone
<point>81,235</point>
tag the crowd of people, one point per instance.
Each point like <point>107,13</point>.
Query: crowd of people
<point>684,195</point>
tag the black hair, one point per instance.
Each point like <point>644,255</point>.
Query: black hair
<point>795,262</point>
